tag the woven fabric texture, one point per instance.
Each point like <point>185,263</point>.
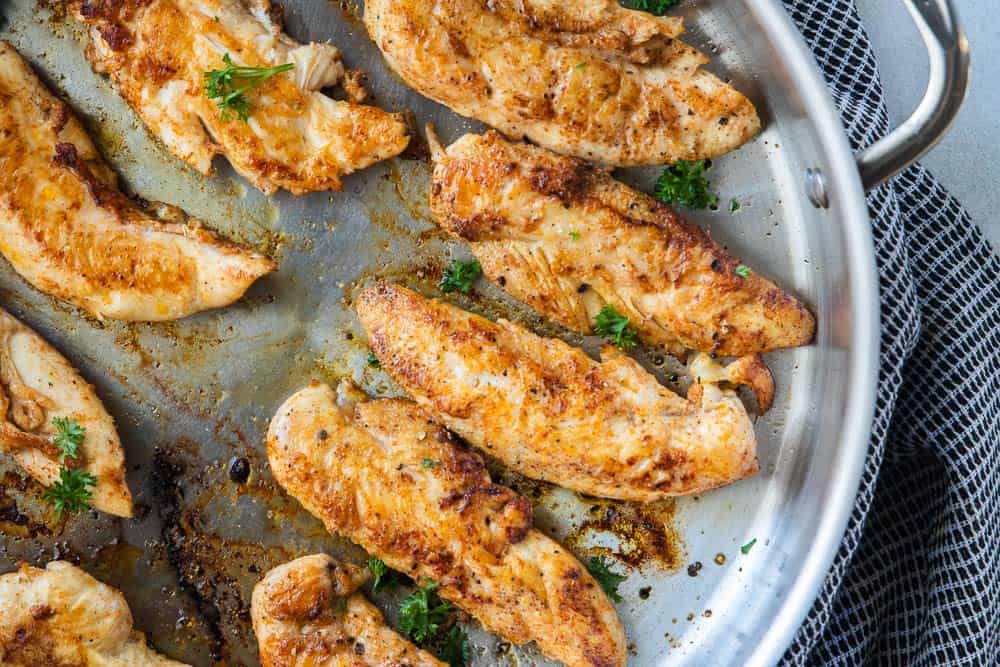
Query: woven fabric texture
<point>917,578</point>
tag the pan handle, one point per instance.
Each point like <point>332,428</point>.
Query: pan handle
<point>949,80</point>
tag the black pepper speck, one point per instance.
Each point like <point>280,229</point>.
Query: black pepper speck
<point>239,470</point>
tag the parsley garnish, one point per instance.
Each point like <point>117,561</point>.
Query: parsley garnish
<point>373,361</point>
<point>743,271</point>
<point>428,463</point>
<point>581,65</point>
<point>575,235</point>
<point>221,86</point>
<point>684,184</point>
<point>460,275</point>
<point>382,576</point>
<point>69,436</point>
<point>658,7</point>
<point>745,549</point>
<point>423,612</point>
<point>733,206</point>
<point>455,649</point>
<point>599,569</point>
<point>71,493</point>
<point>615,327</point>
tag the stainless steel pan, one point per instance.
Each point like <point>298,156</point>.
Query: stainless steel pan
<point>191,396</point>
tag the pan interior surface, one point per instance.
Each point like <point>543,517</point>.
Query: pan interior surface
<point>721,578</point>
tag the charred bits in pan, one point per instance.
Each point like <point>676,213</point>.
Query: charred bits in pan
<point>645,533</point>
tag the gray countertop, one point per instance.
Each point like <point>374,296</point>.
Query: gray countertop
<point>967,160</point>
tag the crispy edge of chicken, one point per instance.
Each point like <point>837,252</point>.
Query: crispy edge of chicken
<point>568,239</point>
<point>359,466</point>
<point>547,410</point>
<point>37,384</point>
<point>67,230</point>
<point>591,79</point>
<point>63,617</point>
<point>297,138</point>
<point>307,612</point>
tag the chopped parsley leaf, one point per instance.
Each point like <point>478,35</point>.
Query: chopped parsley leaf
<point>383,577</point>
<point>423,612</point>
<point>429,463</point>
<point>373,361</point>
<point>575,235</point>
<point>684,184</point>
<point>658,7</point>
<point>221,86</point>
<point>69,436</point>
<point>733,206</point>
<point>609,580</point>
<point>745,549</point>
<point>71,493</point>
<point>455,648</point>
<point>743,271</point>
<point>616,328</point>
<point>460,276</point>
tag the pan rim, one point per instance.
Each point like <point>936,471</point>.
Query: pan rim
<point>851,211</point>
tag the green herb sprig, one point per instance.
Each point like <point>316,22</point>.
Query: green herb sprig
<point>71,494</point>
<point>609,580</point>
<point>373,360</point>
<point>227,87</point>
<point>616,328</point>
<point>658,7</point>
<point>69,436</point>
<point>422,613</point>
<point>455,648</point>
<point>684,184</point>
<point>460,276</point>
<point>382,577</point>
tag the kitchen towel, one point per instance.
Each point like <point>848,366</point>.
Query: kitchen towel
<point>917,578</point>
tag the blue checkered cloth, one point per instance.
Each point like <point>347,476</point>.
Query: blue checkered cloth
<point>917,578</point>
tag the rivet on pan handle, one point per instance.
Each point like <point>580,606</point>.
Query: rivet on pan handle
<point>948,50</point>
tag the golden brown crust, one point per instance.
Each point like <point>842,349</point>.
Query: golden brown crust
<point>567,239</point>
<point>63,617</point>
<point>306,613</point>
<point>384,475</point>
<point>157,52</point>
<point>549,411</point>
<point>590,79</point>
<point>66,228</point>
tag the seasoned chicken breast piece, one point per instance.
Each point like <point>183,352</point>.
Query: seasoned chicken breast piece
<point>307,613</point>
<point>66,228</point>
<point>384,475</point>
<point>550,412</point>
<point>37,386</point>
<point>159,51</point>
<point>568,239</point>
<point>589,78</point>
<point>63,617</point>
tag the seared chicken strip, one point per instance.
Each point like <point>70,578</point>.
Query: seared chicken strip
<point>568,239</point>
<point>550,412</point>
<point>307,613</point>
<point>588,78</point>
<point>159,51</point>
<point>67,230</point>
<point>37,385</point>
<point>63,617</point>
<point>384,475</point>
